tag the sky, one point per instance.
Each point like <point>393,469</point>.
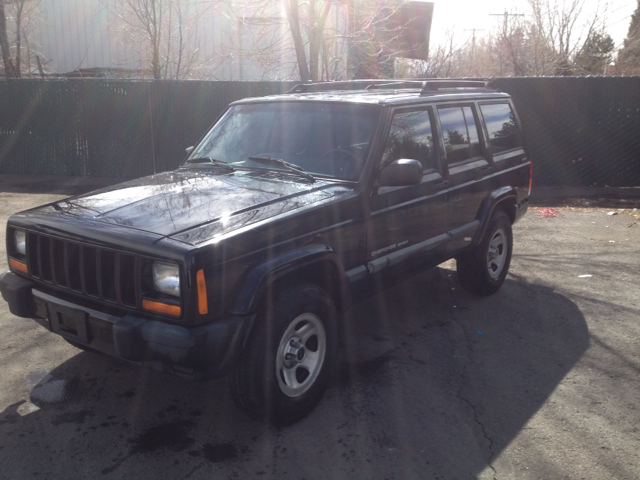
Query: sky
<point>466,15</point>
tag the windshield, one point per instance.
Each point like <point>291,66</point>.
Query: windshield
<point>323,139</point>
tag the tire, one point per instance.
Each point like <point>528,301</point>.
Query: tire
<point>289,357</point>
<point>483,269</point>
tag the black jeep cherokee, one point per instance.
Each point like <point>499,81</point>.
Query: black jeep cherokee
<point>289,208</point>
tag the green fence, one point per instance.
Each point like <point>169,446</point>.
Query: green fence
<point>580,130</point>
<point>109,128</point>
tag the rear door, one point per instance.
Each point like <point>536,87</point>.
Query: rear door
<point>469,169</point>
<point>504,139</point>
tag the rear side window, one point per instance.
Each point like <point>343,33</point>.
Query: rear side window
<point>410,136</point>
<point>501,126</point>
<point>461,139</point>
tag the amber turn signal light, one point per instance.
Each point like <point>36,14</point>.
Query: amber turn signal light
<point>163,308</point>
<point>16,265</point>
<point>203,307</point>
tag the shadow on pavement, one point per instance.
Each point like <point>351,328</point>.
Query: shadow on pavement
<point>432,383</point>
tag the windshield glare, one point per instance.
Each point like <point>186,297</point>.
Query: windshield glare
<point>324,139</point>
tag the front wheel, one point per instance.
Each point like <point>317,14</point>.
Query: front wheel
<point>285,368</point>
<point>483,269</point>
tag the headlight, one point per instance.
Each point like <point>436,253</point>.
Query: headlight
<point>166,278</point>
<point>20,239</point>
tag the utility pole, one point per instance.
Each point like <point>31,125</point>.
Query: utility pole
<point>473,48</point>
<point>505,16</point>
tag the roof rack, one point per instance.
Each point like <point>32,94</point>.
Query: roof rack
<point>426,86</point>
<point>396,84</point>
<point>324,86</point>
<point>431,86</point>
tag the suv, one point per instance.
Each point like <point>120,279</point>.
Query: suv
<point>242,260</point>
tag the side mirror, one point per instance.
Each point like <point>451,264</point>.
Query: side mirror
<point>189,150</point>
<point>401,173</point>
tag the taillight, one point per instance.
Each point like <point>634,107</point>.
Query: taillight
<point>530,176</point>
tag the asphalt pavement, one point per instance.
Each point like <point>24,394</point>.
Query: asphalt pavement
<point>539,381</point>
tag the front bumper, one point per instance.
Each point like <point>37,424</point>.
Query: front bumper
<point>197,353</point>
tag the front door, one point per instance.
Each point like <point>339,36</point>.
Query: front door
<point>408,224</point>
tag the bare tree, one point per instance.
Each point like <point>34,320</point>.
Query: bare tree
<point>146,18</point>
<point>329,39</point>
<point>552,37</point>
<point>561,28</point>
<point>9,67</point>
<point>316,18</point>
<point>511,43</point>
<point>289,39</point>
<point>15,18</point>
<point>446,59</point>
<point>161,32</point>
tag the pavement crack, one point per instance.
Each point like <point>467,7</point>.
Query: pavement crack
<point>482,429</point>
<point>464,361</point>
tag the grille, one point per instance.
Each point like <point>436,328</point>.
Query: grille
<point>102,273</point>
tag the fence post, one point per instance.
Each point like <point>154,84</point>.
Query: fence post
<point>151,128</point>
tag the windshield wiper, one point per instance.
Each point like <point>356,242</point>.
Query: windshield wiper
<point>291,167</point>
<point>212,161</point>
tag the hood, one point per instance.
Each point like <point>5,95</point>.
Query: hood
<point>194,205</point>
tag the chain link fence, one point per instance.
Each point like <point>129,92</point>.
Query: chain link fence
<point>581,131</point>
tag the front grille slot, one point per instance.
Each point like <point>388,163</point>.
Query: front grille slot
<point>102,273</point>
<point>44,258</point>
<point>89,262</point>
<point>127,281</point>
<point>73,266</point>
<point>58,262</point>
<point>108,274</point>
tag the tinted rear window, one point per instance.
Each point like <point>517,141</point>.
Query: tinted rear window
<point>502,127</point>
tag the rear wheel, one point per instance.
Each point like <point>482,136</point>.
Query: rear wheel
<point>289,357</point>
<point>484,268</point>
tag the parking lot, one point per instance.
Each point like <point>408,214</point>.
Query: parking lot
<point>538,381</point>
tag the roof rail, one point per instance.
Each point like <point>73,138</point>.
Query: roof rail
<point>323,86</point>
<point>299,88</point>
<point>426,86</point>
<point>363,84</point>
<point>397,84</point>
<point>431,86</point>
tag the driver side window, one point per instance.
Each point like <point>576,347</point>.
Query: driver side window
<point>410,136</point>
